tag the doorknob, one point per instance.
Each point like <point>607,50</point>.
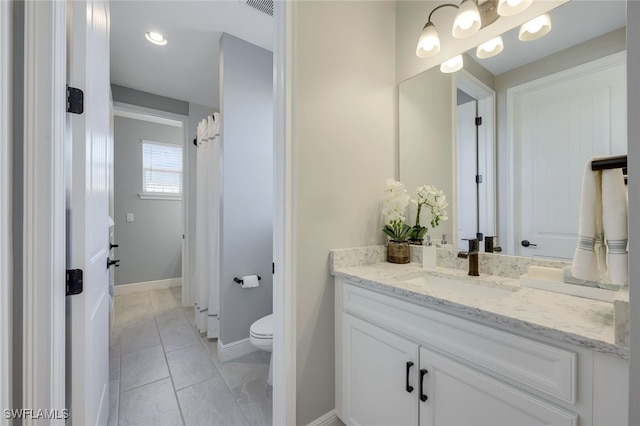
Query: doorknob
<point>526,243</point>
<point>114,262</point>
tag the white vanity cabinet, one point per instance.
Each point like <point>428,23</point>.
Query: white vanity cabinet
<point>400,363</point>
<point>459,395</point>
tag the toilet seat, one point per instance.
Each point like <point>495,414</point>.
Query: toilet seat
<point>263,328</point>
<point>261,333</point>
<point>261,336</point>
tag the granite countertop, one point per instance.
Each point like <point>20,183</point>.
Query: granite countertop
<point>575,320</point>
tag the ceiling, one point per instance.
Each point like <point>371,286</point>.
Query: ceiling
<point>571,24</point>
<point>187,68</point>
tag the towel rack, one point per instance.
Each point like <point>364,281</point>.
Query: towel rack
<point>615,162</point>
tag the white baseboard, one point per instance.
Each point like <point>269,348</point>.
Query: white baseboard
<point>147,286</point>
<point>329,419</point>
<point>235,349</point>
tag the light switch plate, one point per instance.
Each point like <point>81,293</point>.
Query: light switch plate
<point>129,217</point>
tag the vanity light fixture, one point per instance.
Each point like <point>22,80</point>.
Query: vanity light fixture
<point>535,28</point>
<point>155,38</point>
<point>490,48</point>
<point>512,7</point>
<point>452,65</point>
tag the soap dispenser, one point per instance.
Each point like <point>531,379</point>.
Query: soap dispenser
<point>444,243</point>
<point>429,255</point>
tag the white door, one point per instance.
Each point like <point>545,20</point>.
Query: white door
<point>376,375</point>
<point>460,396</point>
<point>558,127</point>
<point>88,68</point>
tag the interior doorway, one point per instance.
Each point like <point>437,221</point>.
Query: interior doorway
<point>150,198</point>
<point>475,156</point>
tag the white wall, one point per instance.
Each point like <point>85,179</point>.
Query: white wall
<point>344,138</point>
<point>426,133</point>
<point>246,227</point>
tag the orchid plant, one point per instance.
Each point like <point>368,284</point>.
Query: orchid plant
<point>394,204</point>
<point>435,200</point>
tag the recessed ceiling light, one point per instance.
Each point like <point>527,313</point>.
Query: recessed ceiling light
<point>155,38</point>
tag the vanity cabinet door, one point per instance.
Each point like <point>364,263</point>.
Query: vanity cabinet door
<point>379,376</point>
<point>458,395</point>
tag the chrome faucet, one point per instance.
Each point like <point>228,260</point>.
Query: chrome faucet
<point>472,255</point>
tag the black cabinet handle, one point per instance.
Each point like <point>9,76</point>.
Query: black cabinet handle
<point>409,387</point>
<point>114,262</point>
<point>423,397</point>
<point>526,243</point>
<point>113,245</point>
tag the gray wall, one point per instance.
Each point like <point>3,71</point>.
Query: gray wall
<point>151,246</point>
<point>246,77</point>
<point>149,100</point>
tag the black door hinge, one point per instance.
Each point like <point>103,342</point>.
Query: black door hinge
<point>478,121</point>
<point>74,281</point>
<point>75,100</point>
<point>478,178</point>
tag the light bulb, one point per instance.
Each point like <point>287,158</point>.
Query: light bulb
<point>490,48</point>
<point>155,38</point>
<point>535,28</point>
<point>428,42</point>
<point>452,65</point>
<point>467,20</point>
<point>512,7</point>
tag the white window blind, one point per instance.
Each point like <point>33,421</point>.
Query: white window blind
<point>161,168</point>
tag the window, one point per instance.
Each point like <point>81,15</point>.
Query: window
<point>161,171</point>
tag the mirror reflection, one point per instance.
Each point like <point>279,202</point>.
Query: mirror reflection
<point>546,107</point>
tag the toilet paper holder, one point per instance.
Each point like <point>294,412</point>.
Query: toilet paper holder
<point>240,281</point>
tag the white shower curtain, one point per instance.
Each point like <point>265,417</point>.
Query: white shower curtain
<point>208,227</point>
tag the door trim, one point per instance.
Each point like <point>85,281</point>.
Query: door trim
<point>284,235</point>
<point>6,312</point>
<point>512,198</point>
<point>135,112</point>
<point>486,101</point>
<point>43,372</point>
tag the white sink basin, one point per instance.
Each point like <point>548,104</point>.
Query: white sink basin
<point>440,285</point>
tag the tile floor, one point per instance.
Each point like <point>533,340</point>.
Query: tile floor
<point>162,372</point>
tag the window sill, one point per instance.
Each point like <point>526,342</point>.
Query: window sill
<point>159,196</point>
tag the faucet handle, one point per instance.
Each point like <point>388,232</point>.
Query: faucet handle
<point>473,244</point>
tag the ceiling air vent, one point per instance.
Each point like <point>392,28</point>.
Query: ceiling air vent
<point>264,6</point>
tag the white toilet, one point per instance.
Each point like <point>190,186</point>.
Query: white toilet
<point>261,336</point>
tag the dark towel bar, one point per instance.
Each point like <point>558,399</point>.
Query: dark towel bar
<point>617,162</point>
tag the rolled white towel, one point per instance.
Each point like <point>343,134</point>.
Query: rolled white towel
<point>570,279</point>
<point>588,261</point>
<point>615,216</point>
